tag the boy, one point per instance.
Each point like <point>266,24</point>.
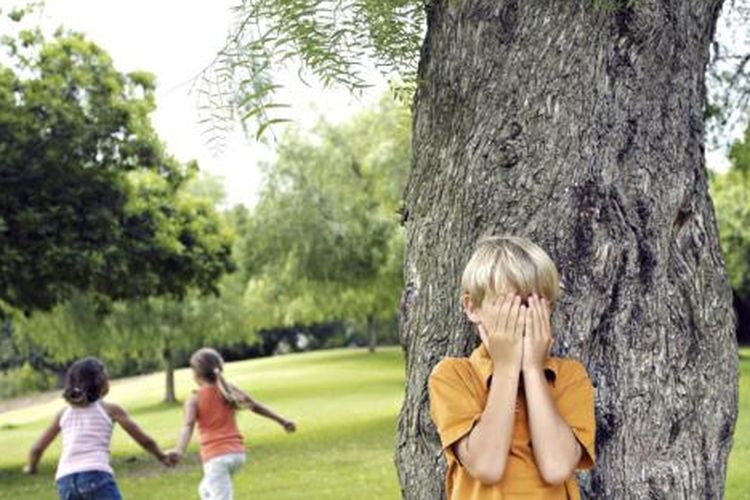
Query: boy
<point>513,422</point>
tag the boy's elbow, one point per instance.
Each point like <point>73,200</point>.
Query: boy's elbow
<point>489,478</point>
<point>555,475</point>
<point>489,474</point>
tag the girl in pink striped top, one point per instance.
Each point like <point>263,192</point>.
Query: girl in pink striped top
<point>86,425</point>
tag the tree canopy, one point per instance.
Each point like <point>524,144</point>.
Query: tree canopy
<point>89,200</point>
<point>324,241</point>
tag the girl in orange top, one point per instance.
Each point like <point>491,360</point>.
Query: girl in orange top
<point>212,406</point>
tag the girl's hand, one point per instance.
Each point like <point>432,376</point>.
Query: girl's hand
<point>172,458</point>
<point>537,337</point>
<point>289,426</point>
<point>502,330</point>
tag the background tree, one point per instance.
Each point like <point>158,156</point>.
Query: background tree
<point>580,125</point>
<point>152,329</point>
<point>323,242</point>
<point>87,190</point>
<point>730,192</point>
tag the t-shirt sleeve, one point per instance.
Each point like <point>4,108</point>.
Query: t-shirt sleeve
<point>576,406</point>
<point>453,406</point>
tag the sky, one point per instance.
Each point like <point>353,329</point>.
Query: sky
<point>175,40</point>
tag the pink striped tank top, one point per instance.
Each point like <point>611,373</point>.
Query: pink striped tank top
<point>86,432</point>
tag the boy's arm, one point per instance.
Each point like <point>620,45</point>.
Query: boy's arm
<point>556,450</point>
<point>191,412</point>
<point>484,451</point>
<point>262,410</point>
<point>120,416</point>
<point>36,452</point>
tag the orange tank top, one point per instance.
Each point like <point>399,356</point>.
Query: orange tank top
<point>216,425</point>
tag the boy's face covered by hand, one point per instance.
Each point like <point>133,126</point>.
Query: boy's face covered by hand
<point>500,320</point>
<point>514,329</point>
<point>537,338</point>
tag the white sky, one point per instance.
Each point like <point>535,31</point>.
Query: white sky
<point>175,40</point>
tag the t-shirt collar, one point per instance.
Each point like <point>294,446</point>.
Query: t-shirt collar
<point>482,362</point>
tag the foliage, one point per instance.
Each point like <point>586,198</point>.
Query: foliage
<point>323,242</point>
<point>329,40</point>
<point>336,40</point>
<point>728,74</point>
<point>89,200</point>
<point>25,379</point>
<point>731,195</point>
<point>138,334</point>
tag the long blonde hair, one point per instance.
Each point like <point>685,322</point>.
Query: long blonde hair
<point>208,365</point>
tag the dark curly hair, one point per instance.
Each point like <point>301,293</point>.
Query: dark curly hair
<point>85,382</point>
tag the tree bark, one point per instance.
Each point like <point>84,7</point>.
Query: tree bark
<point>581,128</point>
<point>372,332</point>
<point>169,395</point>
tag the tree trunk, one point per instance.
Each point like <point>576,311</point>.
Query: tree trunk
<point>581,128</point>
<point>372,332</point>
<point>742,310</point>
<point>169,396</point>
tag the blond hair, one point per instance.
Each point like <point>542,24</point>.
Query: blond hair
<point>208,365</point>
<point>509,263</point>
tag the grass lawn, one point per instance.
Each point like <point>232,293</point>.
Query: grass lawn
<point>738,480</point>
<point>345,403</point>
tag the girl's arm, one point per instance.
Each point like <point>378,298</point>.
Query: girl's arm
<point>191,412</point>
<point>49,435</point>
<point>262,410</point>
<point>556,450</point>
<point>120,416</point>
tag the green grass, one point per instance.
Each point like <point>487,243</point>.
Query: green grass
<point>345,404</point>
<point>344,401</point>
<point>738,482</point>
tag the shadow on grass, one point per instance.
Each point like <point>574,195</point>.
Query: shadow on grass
<point>161,406</point>
<point>329,443</point>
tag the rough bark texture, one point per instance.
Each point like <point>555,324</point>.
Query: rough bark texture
<point>582,129</point>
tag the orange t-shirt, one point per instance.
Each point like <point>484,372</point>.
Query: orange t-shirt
<point>458,396</point>
<point>216,425</point>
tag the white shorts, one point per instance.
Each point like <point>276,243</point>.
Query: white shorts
<point>217,476</point>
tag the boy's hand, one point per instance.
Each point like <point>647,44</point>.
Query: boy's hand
<point>537,337</point>
<point>289,426</point>
<point>502,333</point>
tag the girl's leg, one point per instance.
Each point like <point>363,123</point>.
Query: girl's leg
<point>217,480</point>
<point>97,485</point>
<point>65,488</point>
<point>237,460</point>
<point>93,485</point>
